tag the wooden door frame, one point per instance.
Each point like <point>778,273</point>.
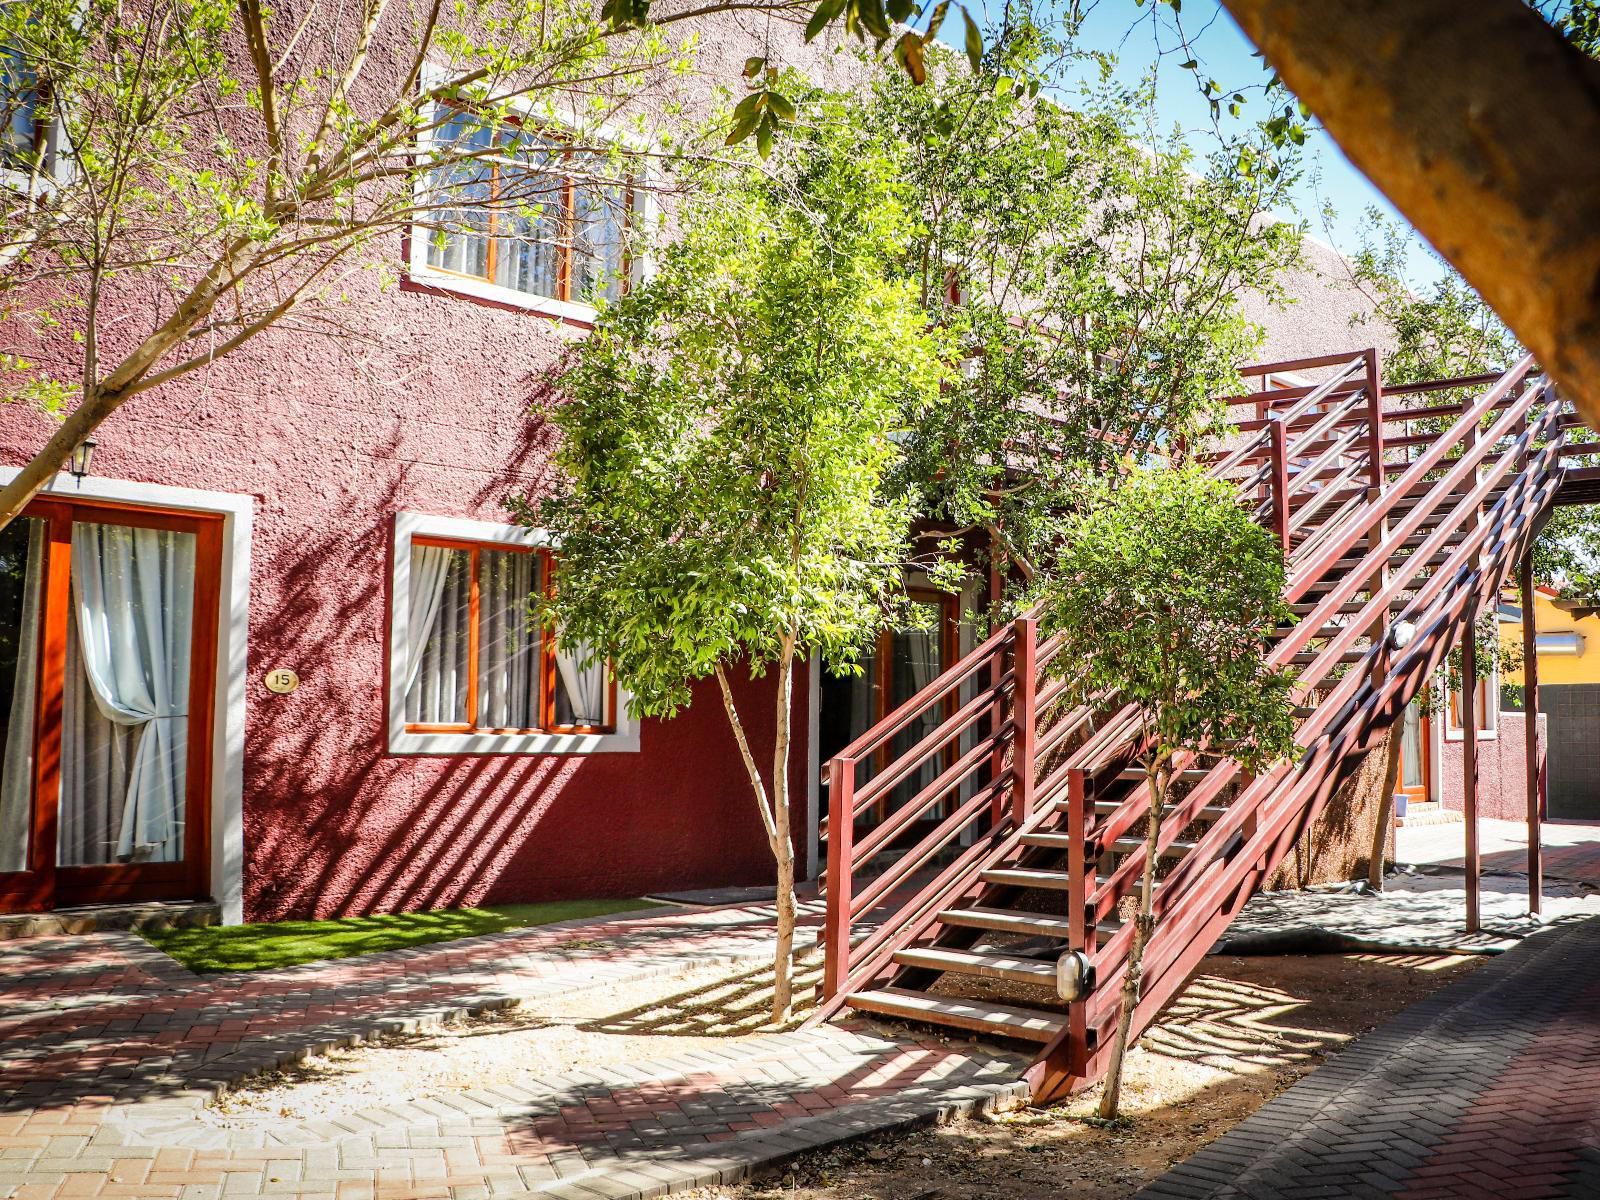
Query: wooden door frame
<point>1422,793</point>
<point>44,884</point>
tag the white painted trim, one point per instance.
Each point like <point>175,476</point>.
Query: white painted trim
<point>401,741</point>
<point>233,644</point>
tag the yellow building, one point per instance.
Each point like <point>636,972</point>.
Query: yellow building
<point>1568,639</point>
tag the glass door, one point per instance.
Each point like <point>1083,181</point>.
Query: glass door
<point>108,623</point>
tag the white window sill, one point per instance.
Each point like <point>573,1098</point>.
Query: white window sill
<point>465,285</point>
<point>623,742</point>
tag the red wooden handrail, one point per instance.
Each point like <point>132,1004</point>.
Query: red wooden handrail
<point>1300,453</point>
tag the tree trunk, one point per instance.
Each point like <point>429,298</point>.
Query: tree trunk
<point>1111,1099</point>
<point>1391,782</point>
<point>782,843</point>
<point>1483,127</point>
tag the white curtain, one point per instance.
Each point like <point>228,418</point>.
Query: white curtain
<point>133,609</point>
<point>508,646</point>
<point>583,688</point>
<point>429,567</point>
<point>16,774</point>
<point>441,614</point>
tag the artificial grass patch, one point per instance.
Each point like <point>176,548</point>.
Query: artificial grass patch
<point>286,943</point>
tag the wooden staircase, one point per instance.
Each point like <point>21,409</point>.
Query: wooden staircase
<point>1039,849</point>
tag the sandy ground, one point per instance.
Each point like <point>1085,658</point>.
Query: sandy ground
<point>1243,1031</point>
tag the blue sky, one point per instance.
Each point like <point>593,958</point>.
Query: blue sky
<point>1138,36</point>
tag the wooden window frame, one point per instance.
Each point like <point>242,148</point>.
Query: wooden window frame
<point>546,672</point>
<point>564,242</point>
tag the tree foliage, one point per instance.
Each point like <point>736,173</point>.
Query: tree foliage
<point>1091,268</point>
<point>730,424</point>
<point>1165,592</point>
<point>1166,595</point>
<point>729,429</point>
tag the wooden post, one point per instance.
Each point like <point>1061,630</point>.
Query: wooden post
<point>1469,761</point>
<point>1530,721</point>
<point>1080,921</point>
<point>1024,718</point>
<point>841,849</point>
<point>1377,475</point>
<point>997,712</point>
<point>1279,483</point>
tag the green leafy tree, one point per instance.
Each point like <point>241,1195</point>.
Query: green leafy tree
<point>1165,593</point>
<point>728,431</point>
<point>1090,265</point>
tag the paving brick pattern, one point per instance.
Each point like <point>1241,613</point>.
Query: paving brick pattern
<point>108,1052</point>
<point>1488,1089</point>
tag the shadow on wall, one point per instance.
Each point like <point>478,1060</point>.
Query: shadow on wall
<point>334,824</point>
<point>337,826</point>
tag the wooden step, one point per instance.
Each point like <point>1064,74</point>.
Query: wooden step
<point>984,966</point>
<point>1210,812</point>
<point>1128,845</point>
<point>1027,877</point>
<point>1005,920</point>
<point>976,1016</point>
<point>1050,841</point>
<point>1306,607</point>
<point>1306,657</point>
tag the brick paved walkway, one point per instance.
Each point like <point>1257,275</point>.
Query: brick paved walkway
<point>108,1050</point>
<point>1488,1090</point>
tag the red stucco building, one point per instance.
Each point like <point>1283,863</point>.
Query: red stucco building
<point>252,653</point>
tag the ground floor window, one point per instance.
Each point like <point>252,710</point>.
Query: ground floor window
<point>477,662</point>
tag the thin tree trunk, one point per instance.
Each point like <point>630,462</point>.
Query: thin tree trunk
<point>1143,924</point>
<point>775,824</point>
<point>1391,783</point>
<point>782,843</point>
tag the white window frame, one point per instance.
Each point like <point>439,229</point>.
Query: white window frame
<point>623,739</point>
<point>1491,710</point>
<point>645,213</point>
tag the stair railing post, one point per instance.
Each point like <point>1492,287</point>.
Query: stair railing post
<point>1377,473</point>
<point>841,849</point>
<point>1469,761</point>
<point>1025,666</point>
<point>1279,434</point>
<point>1530,721</point>
<point>1080,921</point>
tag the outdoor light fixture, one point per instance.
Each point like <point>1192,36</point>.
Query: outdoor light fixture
<point>82,458</point>
<point>1400,634</point>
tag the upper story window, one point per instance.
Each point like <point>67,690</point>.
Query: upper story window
<point>469,671</point>
<point>525,216</point>
<point>32,154</point>
<point>19,122</point>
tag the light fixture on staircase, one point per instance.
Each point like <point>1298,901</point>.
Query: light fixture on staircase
<point>1400,634</point>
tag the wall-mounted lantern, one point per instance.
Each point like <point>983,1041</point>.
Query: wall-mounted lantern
<point>82,458</point>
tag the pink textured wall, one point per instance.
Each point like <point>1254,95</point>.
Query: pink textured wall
<point>437,420</point>
<point>1502,770</point>
<point>430,403</point>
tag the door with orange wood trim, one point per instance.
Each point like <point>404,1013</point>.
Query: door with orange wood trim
<point>108,643</point>
<point>1415,751</point>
